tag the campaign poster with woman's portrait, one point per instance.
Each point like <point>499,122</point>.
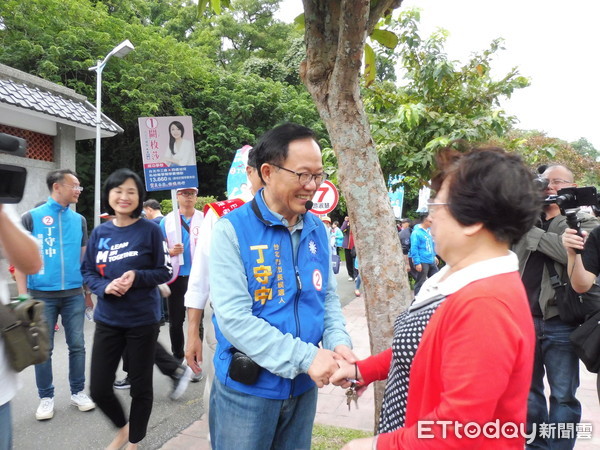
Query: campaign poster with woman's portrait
<point>168,152</point>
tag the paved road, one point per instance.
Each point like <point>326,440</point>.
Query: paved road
<point>72,429</point>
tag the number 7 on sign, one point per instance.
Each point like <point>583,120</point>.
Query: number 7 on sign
<point>325,199</point>
<point>323,190</point>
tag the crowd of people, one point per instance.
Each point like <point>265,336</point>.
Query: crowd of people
<point>255,278</point>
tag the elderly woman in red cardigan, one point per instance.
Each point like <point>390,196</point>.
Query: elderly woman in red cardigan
<point>460,365</point>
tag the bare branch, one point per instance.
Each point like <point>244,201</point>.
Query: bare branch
<point>379,10</point>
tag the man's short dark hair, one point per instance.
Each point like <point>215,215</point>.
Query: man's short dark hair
<point>252,158</point>
<point>152,204</point>
<point>117,178</point>
<point>57,176</point>
<point>493,187</point>
<point>273,146</point>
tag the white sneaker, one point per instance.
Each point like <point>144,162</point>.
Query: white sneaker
<point>46,409</point>
<point>181,383</point>
<point>197,377</point>
<point>82,401</point>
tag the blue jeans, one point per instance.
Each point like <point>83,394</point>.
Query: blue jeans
<point>241,420</point>
<point>554,356</point>
<point>5,427</point>
<point>71,310</point>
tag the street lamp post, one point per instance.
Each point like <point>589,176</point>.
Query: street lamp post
<point>119,51</point>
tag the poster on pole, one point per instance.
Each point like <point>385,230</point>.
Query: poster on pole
<point>168,152</point>
<point>237,180</point>
<point>326,198</point>
<point>396,194</point>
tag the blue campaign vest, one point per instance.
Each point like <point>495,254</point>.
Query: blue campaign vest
<point>288,295</point>
<point>58,230</point>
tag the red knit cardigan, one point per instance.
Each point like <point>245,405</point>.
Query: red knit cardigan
<point>474,364</point>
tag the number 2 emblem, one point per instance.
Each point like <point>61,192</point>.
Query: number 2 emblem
<point>317,280</point>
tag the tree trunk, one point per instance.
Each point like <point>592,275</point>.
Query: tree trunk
<point>335,36</point>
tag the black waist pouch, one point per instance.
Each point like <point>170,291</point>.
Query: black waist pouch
<point>242,369</point>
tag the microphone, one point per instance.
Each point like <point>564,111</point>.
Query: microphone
<point>308,205</point>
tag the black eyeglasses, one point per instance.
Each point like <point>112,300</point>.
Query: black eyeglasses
<point>306,177</point>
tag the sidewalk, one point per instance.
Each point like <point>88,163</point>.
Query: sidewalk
<point>332,408</point>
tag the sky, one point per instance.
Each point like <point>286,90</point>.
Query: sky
<point>556,44</point>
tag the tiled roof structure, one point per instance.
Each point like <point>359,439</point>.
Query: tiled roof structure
<point>27,91</point>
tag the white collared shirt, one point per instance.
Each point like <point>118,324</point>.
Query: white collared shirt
<point>434,286</point>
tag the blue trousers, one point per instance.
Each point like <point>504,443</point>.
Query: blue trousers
<point>239,420</point>
<point>5,427</point>
<point>555,358</point>
<point>72,312</point>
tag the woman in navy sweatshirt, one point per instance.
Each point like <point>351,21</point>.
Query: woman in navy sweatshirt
<point>125,260</point>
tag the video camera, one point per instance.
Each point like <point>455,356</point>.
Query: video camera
<point>12,178</point>
<point>573,197</point>
<point>570,199</point>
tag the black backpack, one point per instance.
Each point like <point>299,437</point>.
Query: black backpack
<point>573,308</point>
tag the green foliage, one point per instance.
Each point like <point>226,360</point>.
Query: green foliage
<point>536,149</point>
<point>265,68</point>
<point>385,37</point>
<point>214,5</point>
<point>166,206</point>
<point>327,437</point>
<point>174,70</point>
<point>586,148</point>
<point>439,101</point>
<point>250,30</point>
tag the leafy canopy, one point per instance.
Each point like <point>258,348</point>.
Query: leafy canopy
<point>438,101</point>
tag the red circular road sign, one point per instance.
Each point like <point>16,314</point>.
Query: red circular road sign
<point>326,198</point>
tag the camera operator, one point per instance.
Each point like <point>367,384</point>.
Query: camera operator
<point>583,268</point>
<point>554,355</point>
<point>18,248</point>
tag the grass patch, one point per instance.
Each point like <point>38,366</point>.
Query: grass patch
<point>326,437</point>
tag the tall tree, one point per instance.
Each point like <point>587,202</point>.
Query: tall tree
<point>336,31</point>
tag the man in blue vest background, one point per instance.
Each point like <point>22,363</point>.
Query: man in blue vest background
<point>62,236</point>
<point>278,320</point>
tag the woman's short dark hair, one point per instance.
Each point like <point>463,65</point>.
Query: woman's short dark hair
<point>116,179</point>
<point>490,186</point>
<point>179,125</point>
<point>273,146</point>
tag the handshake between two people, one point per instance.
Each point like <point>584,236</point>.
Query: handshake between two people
<point>336,367</point>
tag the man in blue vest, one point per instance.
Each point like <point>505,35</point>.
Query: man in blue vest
<point>278,320</point>
<point>62,237</point>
